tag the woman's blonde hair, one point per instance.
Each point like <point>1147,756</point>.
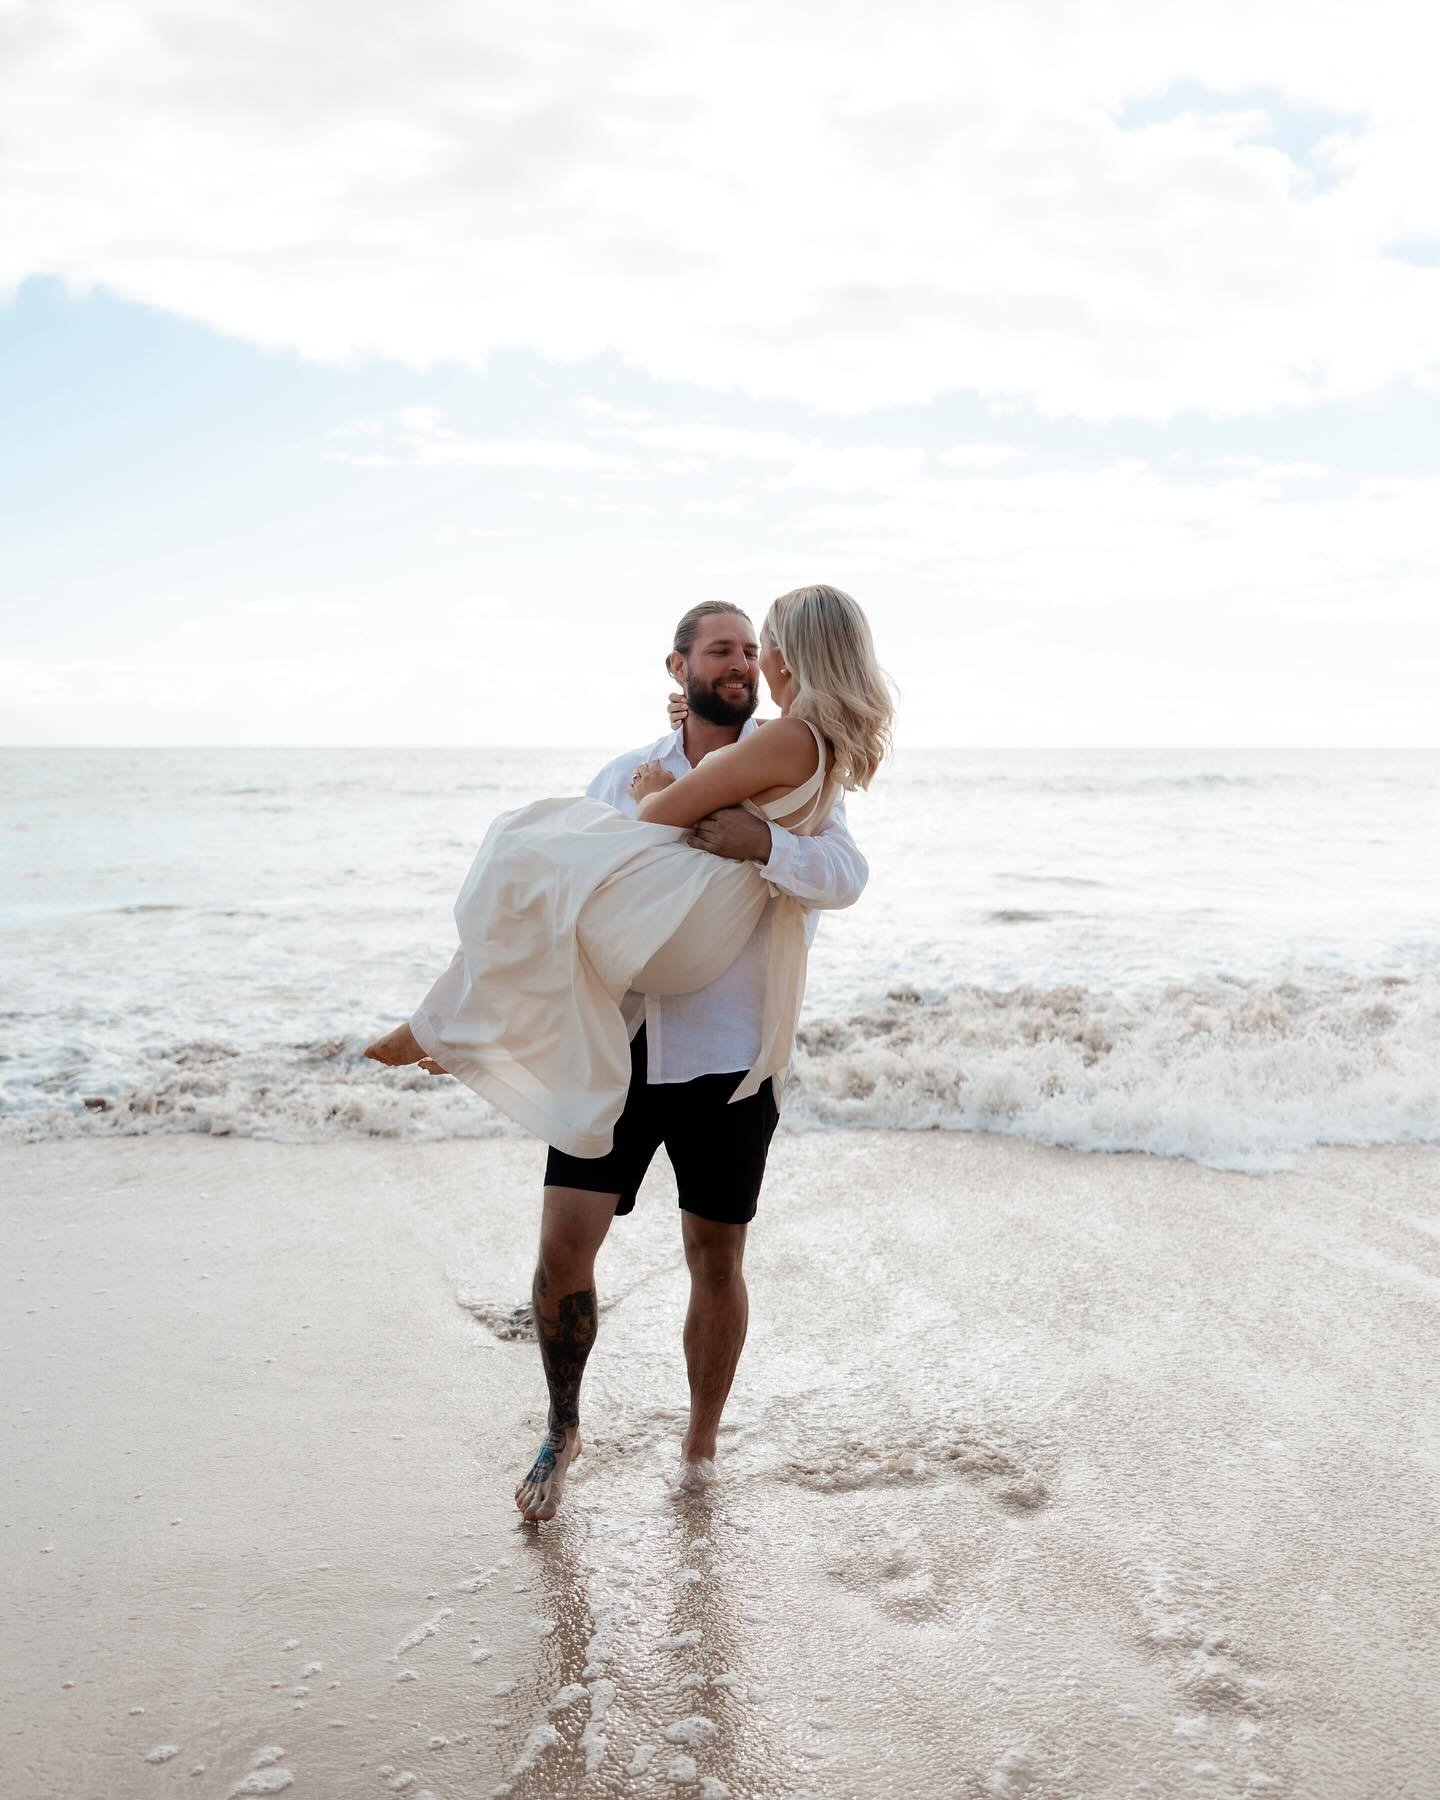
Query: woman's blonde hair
<point>840,688</point>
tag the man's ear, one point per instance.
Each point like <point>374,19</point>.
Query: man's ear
<point>675,663</point>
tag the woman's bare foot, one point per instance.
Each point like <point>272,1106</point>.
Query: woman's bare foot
<point>395,1049</point>
<point>539,1494</point>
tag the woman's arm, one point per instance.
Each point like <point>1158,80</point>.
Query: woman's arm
<point>781,756</point>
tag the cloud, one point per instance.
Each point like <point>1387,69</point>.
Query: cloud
<point>419,437</point>
<point>1273,541</point>
<point>978,456</point>
<point>1083,211</point>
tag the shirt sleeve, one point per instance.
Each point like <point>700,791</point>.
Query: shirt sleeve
<point>825,871</point>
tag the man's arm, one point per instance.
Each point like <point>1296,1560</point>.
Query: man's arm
<point>826,871</point>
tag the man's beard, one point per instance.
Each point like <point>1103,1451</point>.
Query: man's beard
<point>716,708</point>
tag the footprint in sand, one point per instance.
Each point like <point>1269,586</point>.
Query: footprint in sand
<point>904,1575</point>
<point>917,1457</point>
<point>1212,1673</point>
<point>511,1324</point>
<point>1227,1700</point>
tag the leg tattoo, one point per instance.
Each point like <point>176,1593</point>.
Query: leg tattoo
<point>564,1346</point>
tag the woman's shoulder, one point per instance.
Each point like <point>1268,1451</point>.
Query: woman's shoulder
<point>791,743</point>
<point>792,733</point>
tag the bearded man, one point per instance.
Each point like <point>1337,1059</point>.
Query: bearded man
<point>689,1052</point>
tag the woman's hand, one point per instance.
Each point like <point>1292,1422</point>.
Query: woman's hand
<point>649,778</point>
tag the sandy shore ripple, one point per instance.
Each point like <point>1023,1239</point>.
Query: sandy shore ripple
<point>1046,1475</point>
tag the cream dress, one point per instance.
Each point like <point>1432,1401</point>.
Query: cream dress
<point>569,907</point>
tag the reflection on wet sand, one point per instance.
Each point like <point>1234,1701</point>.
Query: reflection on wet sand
<point>641,1671</point>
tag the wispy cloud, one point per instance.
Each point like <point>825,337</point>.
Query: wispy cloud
<point>417,435</point>
<point>1056,206</point>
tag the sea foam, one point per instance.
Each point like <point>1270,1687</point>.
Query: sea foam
<point>1235,1074</point>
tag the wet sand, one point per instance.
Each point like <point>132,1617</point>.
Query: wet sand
<point>1045,1475</point>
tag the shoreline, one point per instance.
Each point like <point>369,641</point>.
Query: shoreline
<point>1046,1473</point>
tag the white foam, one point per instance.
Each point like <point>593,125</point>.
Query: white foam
<point>595,1745</point>
<point>1239,1075</point>
<point>542,1737</point>
<point>1234,1074</point>
<point>694,1729</point>
<point>262,1781</point>
<point>427,1629</point>
<point>1013,1775</point>
<point>567,1696</point>
<point>162,1753</point>
<point>682,1770</point>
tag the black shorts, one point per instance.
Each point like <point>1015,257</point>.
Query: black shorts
<point>716,1150</point>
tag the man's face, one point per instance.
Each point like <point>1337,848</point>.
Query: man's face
<point>721,672</point>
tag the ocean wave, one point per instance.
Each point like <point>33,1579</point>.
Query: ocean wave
<point>1237,1075</point>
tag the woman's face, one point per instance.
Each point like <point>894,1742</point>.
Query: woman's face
<point>771,664</point>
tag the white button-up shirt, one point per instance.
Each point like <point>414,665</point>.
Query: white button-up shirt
<point>716,1030</point>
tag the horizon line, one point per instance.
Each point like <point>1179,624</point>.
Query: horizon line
<point>900,749</point>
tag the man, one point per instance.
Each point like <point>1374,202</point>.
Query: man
<point>687,1057</point>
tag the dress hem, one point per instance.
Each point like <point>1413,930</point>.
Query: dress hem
<point>482,1081</point>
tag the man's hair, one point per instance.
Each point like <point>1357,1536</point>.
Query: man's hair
<point>689,626</point>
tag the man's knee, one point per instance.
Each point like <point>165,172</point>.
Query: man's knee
<point>715,1253</point>
<point>572,1228</point>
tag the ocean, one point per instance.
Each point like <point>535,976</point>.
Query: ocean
<point>1229,956</point>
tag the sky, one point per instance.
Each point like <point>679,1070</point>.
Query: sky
<point>373,375</point>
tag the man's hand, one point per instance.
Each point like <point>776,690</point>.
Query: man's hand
<point>735,833</point>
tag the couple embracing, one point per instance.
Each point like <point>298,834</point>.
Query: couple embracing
<point>631,968</point>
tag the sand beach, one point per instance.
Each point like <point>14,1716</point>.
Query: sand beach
<point>1045,1475</point>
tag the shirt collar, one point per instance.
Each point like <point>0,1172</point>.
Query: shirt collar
<point>673,747</point>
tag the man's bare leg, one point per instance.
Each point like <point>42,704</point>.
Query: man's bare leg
<point>572,1229</point>
<point>714,1335</point>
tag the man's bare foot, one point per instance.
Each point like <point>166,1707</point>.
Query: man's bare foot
<point>396,1048</point>
<point>695,1473</point>
<point>539,1494</point>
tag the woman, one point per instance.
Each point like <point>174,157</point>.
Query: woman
<point>570,906</point>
